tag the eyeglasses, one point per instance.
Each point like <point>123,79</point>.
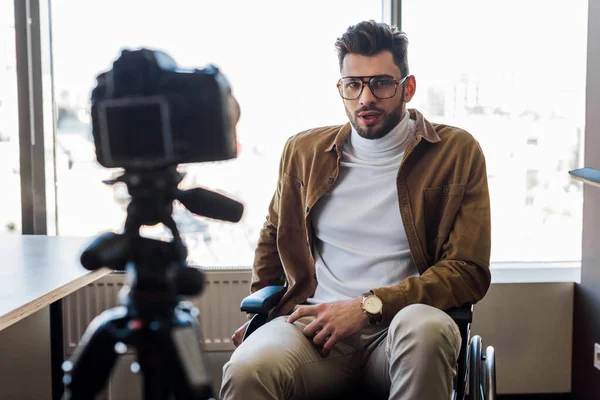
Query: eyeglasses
<point>382,86</point>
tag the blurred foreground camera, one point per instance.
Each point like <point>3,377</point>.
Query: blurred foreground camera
<point>148,117</point>
<point>148,113</point>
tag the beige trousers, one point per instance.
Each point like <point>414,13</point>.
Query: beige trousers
<point>414,358</point>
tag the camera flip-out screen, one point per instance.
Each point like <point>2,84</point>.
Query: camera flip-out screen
<point>145,136</point>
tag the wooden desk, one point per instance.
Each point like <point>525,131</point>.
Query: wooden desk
<point>36,272</point>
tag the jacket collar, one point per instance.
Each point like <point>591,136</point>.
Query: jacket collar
<point>424,129</point>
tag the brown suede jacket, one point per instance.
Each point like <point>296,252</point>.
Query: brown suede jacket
<point>444,204</point>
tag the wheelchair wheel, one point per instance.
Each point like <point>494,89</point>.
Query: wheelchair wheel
<point>475,369</point>
<point>490,374</point>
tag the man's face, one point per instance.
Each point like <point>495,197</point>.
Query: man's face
<point>372,117</point>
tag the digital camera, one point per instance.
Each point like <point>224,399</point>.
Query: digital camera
<point>148,113</point>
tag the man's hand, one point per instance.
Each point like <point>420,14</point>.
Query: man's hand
<point>334,322</point>
<point>239,334</point>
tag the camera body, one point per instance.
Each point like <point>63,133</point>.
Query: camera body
<point>147,113</point>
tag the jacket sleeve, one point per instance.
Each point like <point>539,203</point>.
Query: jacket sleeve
<point>267,268</point>
<point>461,275</point>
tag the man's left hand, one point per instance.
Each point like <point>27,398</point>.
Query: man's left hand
<point>334,322</point>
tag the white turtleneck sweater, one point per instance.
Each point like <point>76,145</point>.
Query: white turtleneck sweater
<point>360,239</point>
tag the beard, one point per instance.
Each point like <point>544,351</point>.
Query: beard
<point>389,121</point>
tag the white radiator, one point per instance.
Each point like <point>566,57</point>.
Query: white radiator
<point>219,306</point>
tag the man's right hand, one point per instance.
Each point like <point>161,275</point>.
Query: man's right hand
<point>238,336</point>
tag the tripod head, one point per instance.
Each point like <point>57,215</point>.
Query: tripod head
<point>162,271</point>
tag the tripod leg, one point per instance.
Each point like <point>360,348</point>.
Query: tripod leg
<point>156,371</point>
<point>87,371</point>
<point>172,362</point>
<point>187,339</point>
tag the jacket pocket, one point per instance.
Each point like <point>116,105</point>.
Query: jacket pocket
<point>292,200</point>
<point>441,206</point>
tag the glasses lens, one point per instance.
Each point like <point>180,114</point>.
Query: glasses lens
<point>383,87</point>
<point>350,88</point>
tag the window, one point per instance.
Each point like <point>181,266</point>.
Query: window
<point>281,64</point>
<point>515,80</point>
<point>512,73</point>
<point>10,212</point>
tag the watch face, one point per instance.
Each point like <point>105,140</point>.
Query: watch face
<point>373,305</point>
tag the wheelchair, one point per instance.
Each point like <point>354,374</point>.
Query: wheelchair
<point>475,370</point>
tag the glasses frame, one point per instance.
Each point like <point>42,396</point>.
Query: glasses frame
<point>397,82</point>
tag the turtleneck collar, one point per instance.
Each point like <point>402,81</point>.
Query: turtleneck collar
<point>396,139</point>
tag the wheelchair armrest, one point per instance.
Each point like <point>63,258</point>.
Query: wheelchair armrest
<point>263,300</point>
<point>462,314</point>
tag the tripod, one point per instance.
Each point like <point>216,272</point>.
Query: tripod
<point>153,318</point>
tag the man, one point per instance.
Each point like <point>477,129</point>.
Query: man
<point>376,226</point>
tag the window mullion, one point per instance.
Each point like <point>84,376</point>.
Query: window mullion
<point>31,132</point>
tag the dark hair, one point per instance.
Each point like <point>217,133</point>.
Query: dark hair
<point>369,38</point>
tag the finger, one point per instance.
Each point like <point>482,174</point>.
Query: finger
<point>311,329</point>
<point>328,346</point>
<point>301,312</point>
<point>235,340</point>
<point>238,336</point>
<point>321,337</point>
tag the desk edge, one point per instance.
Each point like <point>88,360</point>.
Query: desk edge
<point>60,292</point>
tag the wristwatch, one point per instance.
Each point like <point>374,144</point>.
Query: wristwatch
<point>372,306</point>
